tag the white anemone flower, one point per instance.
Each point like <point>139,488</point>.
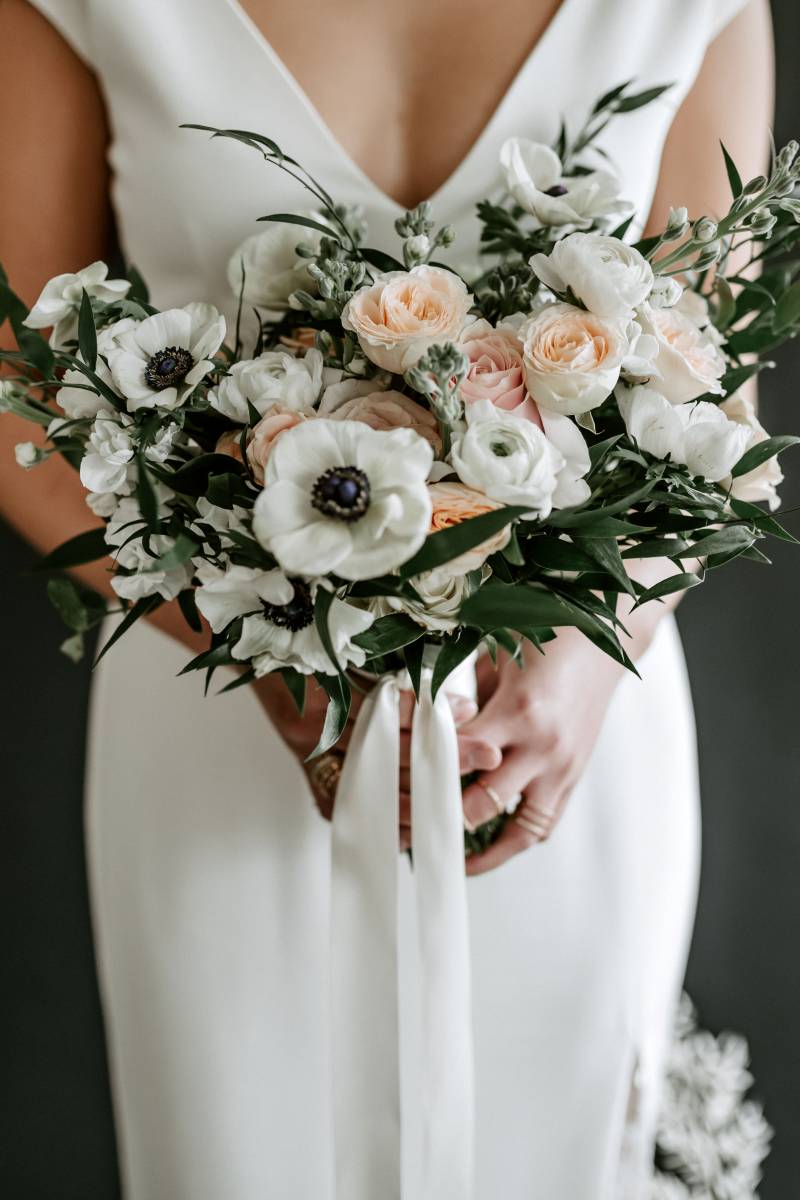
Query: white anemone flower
<point>533,175</point>
<point>275,377</point>
<point>278,628</point>
<point>341,497</point>
<point>159,362</point>
<point>60,300</point>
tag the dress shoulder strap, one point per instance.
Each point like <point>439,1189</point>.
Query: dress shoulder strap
<point>722,13</point>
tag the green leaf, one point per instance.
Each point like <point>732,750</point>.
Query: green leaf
<point>451,655</point>
<point>666,587</point>
<point>734,178</point>
<point>218,655</point>
<point>322,606</point>
<point>572,518</point>
<point>413,654</point>
<point>498,605</point>
<point>83,548</point>
<point>640,99</point>
<point>787,310</point>
<point>338,709</point>
<point>145,494</point>
<point>759,453</point>
<point>241,680</point>
<point>188,606</point>
<point>192,478</point>
<point>556,555</point>
<point>766,523</point>
<point>296,683</point>
<point>721,541</point>
<point>379,259</point>
<point>78,611</point>
<point>87,334</point>
<point>308,222</point>
<point>447,544</point>
<point>139,292</point>
<point>140,609</point>
<point>608,97</point>
<point>388,633</point>
<point>605,552</point>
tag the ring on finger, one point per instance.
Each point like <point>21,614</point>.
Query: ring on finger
<point>493,796</point>
<point>324,773</point>
<point>535,822</point>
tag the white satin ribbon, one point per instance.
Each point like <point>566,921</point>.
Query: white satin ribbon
<point>365,1021</point>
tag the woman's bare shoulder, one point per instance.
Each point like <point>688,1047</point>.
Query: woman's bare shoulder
<point>54,212</point>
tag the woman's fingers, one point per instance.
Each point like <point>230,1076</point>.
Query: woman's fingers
<point>513,840</point>
<point>511,777</point>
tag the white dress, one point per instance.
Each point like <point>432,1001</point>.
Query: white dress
<point>209,864</point>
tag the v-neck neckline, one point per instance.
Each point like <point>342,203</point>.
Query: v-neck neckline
<point>551,30</point>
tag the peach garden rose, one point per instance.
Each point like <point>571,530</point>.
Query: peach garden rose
<point>403,313</point>
<point>572,359</point>
<point>454,503</point>
<point>390,410</point>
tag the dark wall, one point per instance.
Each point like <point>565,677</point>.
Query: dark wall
<point>743,647</point>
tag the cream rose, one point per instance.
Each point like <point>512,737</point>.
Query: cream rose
<point>761,484</point>
<point>495,370</point>
<point>699,436</point>
<point>604,273</point>
<point>275,421</point>
<point>454,503</point>
<point>688,362</point>
<point>441,594</point>
<point>403,313</point>
<point>390,410</point>
<point>572,359</point>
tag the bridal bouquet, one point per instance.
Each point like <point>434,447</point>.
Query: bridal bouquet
<point>383,463</point>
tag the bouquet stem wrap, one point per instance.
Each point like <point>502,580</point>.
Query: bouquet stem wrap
<point>365,878</point>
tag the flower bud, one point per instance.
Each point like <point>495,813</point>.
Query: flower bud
<point>754,185</point>
<point>28,455</point>
<point>705,230</point>
<point>666,292</point>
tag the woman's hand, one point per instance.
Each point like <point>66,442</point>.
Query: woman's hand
<point>301,734</point>
<point>546,715</point>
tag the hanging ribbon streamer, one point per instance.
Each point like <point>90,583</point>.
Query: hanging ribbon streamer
<point>365,877</point>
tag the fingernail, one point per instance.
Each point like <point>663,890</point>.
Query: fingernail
<point>464,710</point>
<point>486,756</point>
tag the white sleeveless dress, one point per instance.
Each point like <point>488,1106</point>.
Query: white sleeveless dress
<point>210,869</point>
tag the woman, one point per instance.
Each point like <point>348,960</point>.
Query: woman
<point>208,866</point>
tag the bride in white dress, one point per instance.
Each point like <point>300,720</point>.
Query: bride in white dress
<point>209,862</point>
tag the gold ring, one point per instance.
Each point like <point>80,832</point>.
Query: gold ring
<point>324,773</point>
<point>536,823</point>
<point>493,796</point>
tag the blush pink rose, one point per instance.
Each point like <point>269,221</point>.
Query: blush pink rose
<point>275,421</point>
<point>495,370</point>
<point>230,443</point>
<point>390,410</point>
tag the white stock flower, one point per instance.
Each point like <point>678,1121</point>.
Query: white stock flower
<point>27,454</point>
<point>688,363</point>
<point>275,377</point>
<point>605,274</point>
<point>341,497</point>
<point>159,362</point>
<point>762,483</point>
<point>573,359</point>
<point>221,520</point>
<point>278,629</point>
<point>130,554</point>
<point>107,463</point>
<point>60,300</point>
<point>533,176</point>
<point>698,436</point>
<point>272,267</point>
<point>399,316</point>
<point>506,457</point>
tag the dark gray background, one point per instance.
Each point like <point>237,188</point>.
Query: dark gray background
<point>742,643</point>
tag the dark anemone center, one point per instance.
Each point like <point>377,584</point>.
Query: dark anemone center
<point>295,615</point>
<point>557,189</point>
<point>168,368</point>
<point>342,492</point>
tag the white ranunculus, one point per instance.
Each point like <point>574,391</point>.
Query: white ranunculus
<point>507,457</point>
<point>130,554</point>
<point>698,436</point>
<point>571,486</point>
<point>441,595</point>
<point>341,497</point>
<point>605,274</point>
<point>275,377</point>
<point>689,363</point>
<point>161,360</point>
<point>572,359</point>
<point>106,466</point>
<point>761,484</point>
<point>60,300</point>
<point>272,267</point>
<point>533,176</point>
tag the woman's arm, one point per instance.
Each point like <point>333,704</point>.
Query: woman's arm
<point>547,717</point>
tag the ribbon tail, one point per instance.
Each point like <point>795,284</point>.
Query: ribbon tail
<point>443,936</point>
<point>364,987</point>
